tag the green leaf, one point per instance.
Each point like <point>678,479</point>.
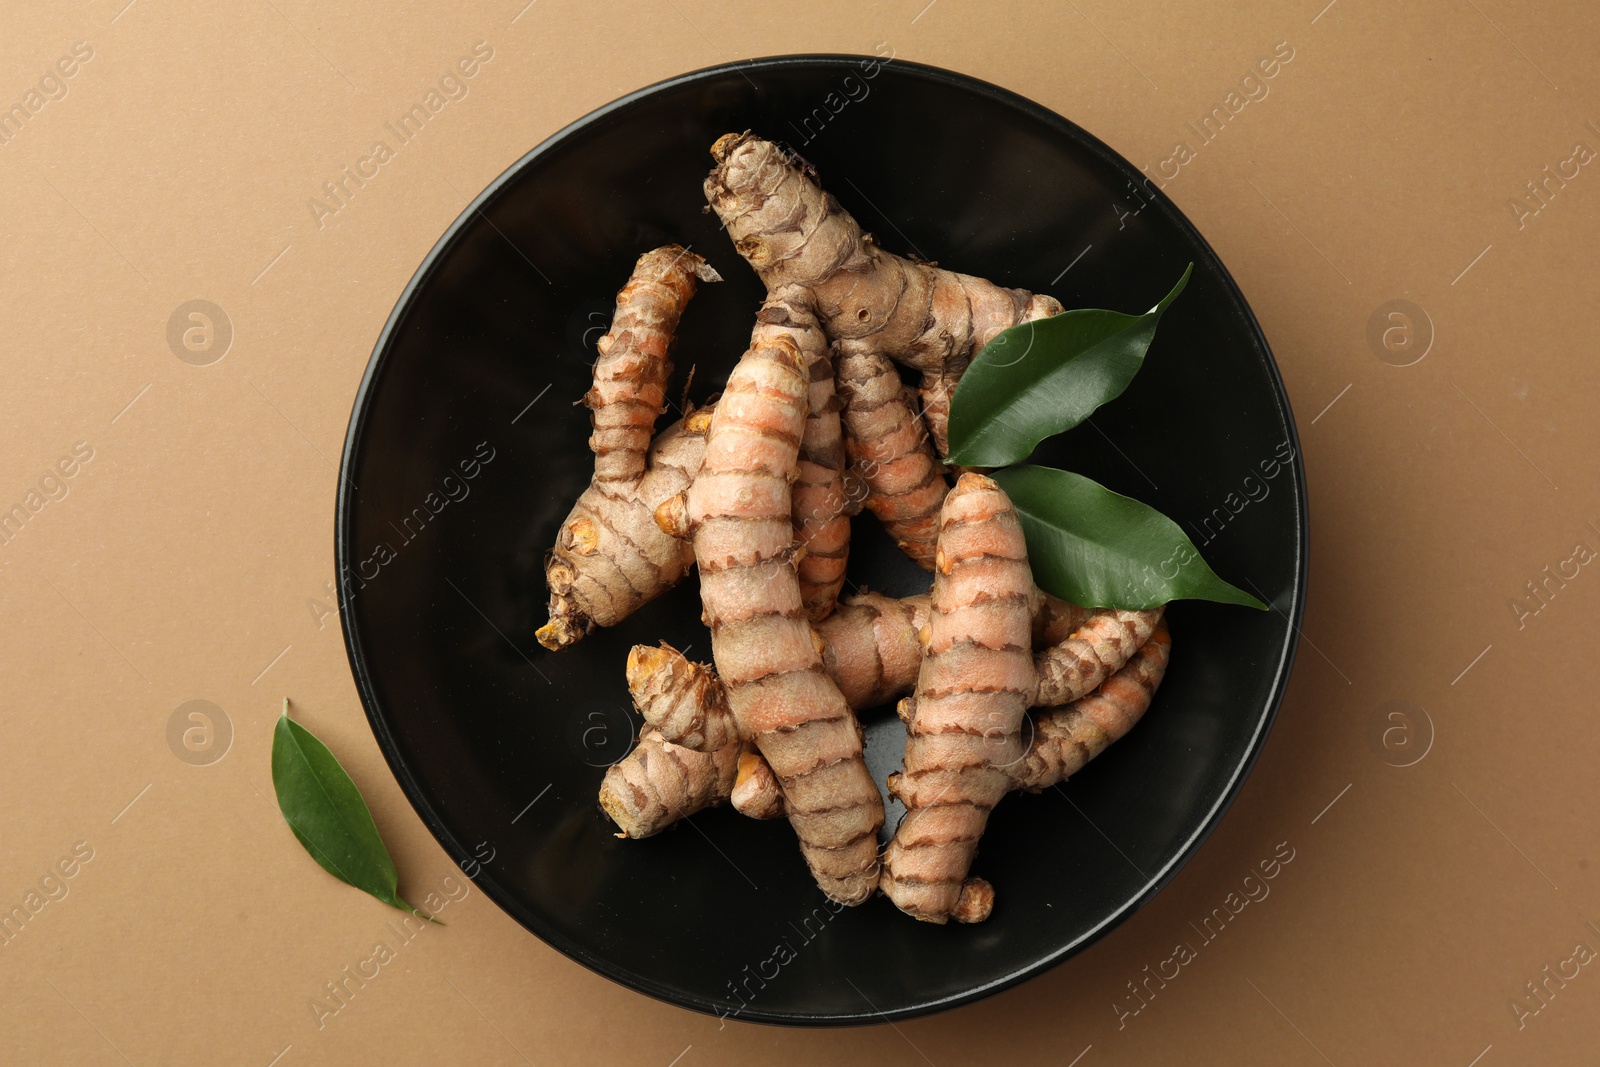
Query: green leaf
<point>1040,378</point>
<point>1101,549</point>
<point>328,815</point>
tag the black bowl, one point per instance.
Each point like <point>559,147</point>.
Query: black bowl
<point>468,451</point>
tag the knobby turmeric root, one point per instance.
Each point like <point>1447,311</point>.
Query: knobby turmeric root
<point>890,450</point>
<point>610,557</point>
<point>739,514</point>
<point>682,700</point>
<point>659,783</point>
<point>871,647</point>
<point>1066,738</point>
<point>793,233</point>
<point>821,522</point>
<point>963,725</point>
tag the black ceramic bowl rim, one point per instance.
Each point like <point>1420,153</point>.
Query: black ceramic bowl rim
<point>462,855</point>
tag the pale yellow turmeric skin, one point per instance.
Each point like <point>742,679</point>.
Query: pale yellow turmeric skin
<point>610,557</point>
<point>660,782</point>
<point>868,647</point>
<point>794,233</point>
<point>680,699</point>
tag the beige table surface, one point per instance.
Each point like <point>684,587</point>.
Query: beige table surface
<point>188,554</point>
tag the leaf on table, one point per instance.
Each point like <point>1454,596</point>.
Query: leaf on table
<point>1040,378</point>
<point>326,811</point>
<point>1101,549</point>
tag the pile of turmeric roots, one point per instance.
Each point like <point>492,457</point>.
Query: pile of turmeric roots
<point>757,489</point>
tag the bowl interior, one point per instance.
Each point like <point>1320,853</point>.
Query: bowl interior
<point>468,452</point>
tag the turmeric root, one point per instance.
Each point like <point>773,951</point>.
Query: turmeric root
<point>1095,650</point>
<point>963,734</point>
<point>739,513</point>
<point>890,450</point>
<point>610,557</point>
<point>869,649</point>
<point>756,792</point>
<point>659,783</point>
<point>682,700</point>
<point>821,524</point>
<point>870,645</point>
<point>793,233</point>
<point>1056,620</point>
<point>975,902</point>
<point>1066,738</point>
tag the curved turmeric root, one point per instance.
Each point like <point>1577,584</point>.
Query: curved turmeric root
<point>739,512</point>
<point>963,734</point>
<point>890,450</point>
<point>793,233</point>
<point>659,783</point>
<point>821,523</point>
<point>1066,738</point>
<point>1095,650</point>
<point>1056,620</point>
<point>610,557</point>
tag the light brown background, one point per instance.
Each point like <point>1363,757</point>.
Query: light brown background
<point>190,556</point>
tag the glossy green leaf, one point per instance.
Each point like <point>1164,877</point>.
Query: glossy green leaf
<point>328,815</point>
<point>1104,550</point>
<point>1040,378</point>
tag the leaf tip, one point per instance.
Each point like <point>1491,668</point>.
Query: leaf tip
<point>1183,282</point>
<point>418,912</point>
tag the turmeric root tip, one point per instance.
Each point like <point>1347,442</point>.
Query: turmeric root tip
<point>975,903</point>
<point>756,792</point>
